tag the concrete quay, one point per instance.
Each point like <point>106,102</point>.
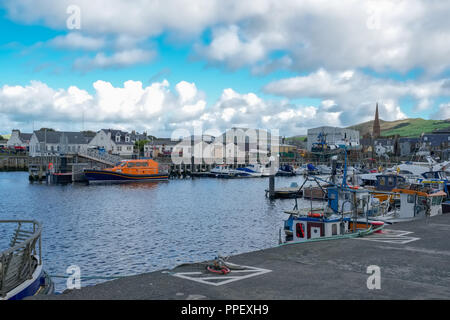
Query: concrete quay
<point>413,260</point>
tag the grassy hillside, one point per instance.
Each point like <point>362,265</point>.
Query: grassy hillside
<point>404,128</point>
<point>297,138</point>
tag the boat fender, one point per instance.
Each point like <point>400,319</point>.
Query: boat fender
<point>315,215</point>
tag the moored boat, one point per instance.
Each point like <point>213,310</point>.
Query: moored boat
<point>225,171</point>
<point>128,171</point>
<point>21,266</point>
<point>252,170</point>
<point>415,203</point>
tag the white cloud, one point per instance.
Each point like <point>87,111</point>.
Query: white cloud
<point>346,98</point>
<point>443,112</point>
<point>354,94</point>
<point>155,108</point>
<point>337,35</point>
<point>117,60</point>
<point>75,40</point>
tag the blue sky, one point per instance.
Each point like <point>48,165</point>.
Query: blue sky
<point>282,64</point>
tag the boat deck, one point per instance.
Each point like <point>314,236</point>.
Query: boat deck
<point>413,258</point>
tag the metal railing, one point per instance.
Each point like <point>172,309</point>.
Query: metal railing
<point>100,156</point>
<point>19,261</point>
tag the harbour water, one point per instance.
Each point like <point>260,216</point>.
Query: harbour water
<point>125,229</point>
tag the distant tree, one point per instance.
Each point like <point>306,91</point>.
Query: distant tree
<point>140,145</point>
<point>48,129</point>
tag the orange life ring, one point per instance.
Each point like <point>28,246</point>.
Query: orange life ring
<point>50,166</point>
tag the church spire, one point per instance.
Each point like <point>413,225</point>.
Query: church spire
<point>376,131</point>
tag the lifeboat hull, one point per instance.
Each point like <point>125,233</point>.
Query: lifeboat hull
<point>111,176</point>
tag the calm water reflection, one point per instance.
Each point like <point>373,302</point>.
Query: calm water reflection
<point>133,228</point>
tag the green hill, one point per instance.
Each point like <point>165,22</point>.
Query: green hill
<point>404,128</point>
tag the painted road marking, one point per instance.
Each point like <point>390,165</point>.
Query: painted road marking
<point>391,236</point>
<point>234,275</point>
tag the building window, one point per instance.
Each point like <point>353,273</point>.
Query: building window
<point>127,138</point>
<point>117,138</point>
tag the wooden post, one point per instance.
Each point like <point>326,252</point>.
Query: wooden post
<point>271,186</point>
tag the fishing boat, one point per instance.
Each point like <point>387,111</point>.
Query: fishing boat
<point>318,225</point>
<point>346,214</point>
<point>128,171</point>
<point>21,267</point>
<point>416,202</point>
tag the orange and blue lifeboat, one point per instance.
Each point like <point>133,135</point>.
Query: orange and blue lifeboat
<point>128,170</point>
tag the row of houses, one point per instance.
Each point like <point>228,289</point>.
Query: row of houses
<point>48,141</point>
<point>435,143</point>
<point>242,144</point>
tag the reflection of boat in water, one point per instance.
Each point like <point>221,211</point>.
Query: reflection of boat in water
<point>128,171</point>
<point>21,268</point>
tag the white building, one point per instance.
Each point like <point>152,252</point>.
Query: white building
<point>333,136</point>
<point>117,142</point>
<point>45,142</point>
<point>19,139</point>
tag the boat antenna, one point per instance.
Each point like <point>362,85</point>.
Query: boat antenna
<point>344,177</point>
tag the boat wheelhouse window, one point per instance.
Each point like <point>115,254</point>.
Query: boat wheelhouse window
<point>436,200</point>
<point>405,172</point>
<point>123,164</point>
<point>422,200</point>
<point>410,198</point>
<point>391,181</point>
<point>141,164</point>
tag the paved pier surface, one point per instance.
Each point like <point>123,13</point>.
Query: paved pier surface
<point>414,261</point>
